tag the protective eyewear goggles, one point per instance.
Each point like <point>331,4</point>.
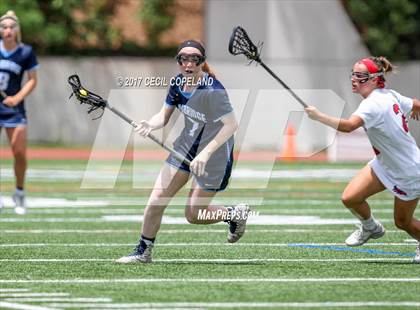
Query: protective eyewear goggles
<point>363,77</point>
<point>11,26</point>
<point>194,58</point>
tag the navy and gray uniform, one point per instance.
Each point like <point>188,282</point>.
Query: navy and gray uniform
<point>203,110</point>
<point>13,64</point>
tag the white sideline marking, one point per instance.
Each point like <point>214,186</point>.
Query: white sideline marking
<point>4,295</point>
<point>190,305</point>
<point>192,244</point>
<point>3,290</point>
<point>255,220</point>
<point>262,210</point>
<point>34,202</point>
<point>99,202</point>
<point>176,231</point>
<point>59,299</point>
<point>9,305</point>
<point>296,174</point>
<point>340,174</point>
<point>205,260</point>
<point>213,280</point>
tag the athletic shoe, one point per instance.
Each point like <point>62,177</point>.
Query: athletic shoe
<point>138,256</point>
<point>361,235</point>
<point>237,224</point>
<point>416,259</point>
<point>20,202</point>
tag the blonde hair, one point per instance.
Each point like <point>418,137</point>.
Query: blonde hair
<point>11,15</point>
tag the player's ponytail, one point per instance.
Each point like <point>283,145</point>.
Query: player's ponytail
<point>206,68</point>
<point>11,15</point>
<point>384,64</point>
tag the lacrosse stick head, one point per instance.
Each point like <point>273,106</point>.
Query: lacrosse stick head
<point>240,43</point>
<point>84,96</point>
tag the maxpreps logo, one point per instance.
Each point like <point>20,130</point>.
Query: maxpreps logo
<point>204,214</point>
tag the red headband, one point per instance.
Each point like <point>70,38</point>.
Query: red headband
<point>372,68</point>
<point>370,65</point>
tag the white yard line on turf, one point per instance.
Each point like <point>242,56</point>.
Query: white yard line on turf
<point>59,299</point>
<point>253,220</point>
<point>177,231</point>
<point>205,260</point>
<point>333,174</point>
<point>10,305</point>
<point>192,244</point>
<point>213,280</point>
<point>205,305</point>
<point>13,290</point>
<point>5,295</point>
<point>262,211</point>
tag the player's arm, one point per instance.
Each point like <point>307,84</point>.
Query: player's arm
<point>157,121</point>
<point>344,125</point>
<point>230,126</point>
<point>27,88</point>
<point>415,112</point>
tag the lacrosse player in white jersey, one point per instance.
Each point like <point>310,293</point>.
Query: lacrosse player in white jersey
<point>383,113</point>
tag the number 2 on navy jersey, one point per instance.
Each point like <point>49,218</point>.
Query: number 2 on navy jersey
<point>4,80</point>
<point>194,126</point>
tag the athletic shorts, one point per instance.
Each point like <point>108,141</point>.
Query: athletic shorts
<point>406,191</point>
<point>216,180</point>
<point>13,120</point>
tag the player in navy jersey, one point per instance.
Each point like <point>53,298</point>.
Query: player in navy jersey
<point>206,140</point>
<point>15,59</point>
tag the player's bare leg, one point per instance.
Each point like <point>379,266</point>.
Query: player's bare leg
<point>17,138</point>
<point>404,219</point>
<point>199,211</point>
<point>362,186</point>
<point>168,183</point>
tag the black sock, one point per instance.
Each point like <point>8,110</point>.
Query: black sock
<point>19,188</point>
<point>144,243</point>
<point>229,214</point>
<point>148,239</point>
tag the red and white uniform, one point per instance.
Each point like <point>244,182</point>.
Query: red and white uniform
<point>397,162</point>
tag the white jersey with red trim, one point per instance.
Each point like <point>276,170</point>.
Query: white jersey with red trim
<point>385,114</point>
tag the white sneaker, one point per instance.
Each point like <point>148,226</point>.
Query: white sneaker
<point>237,224</point>
<point>362,235</point>
<point>416,259</point>
<point>137,256</point>
<point>20,202</point>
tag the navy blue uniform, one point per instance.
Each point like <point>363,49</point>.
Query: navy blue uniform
<point>13,64</point>
<point>203,110</point>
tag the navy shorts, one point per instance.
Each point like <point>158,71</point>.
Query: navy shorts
<point>13,120</point>
<point>216,180</point>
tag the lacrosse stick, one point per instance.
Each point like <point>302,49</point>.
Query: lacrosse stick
<point>240,43</point>
<point>96,102</point>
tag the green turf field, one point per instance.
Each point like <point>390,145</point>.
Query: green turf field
<point>60,255</point>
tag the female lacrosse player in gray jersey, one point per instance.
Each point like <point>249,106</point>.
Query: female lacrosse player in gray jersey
<point>206,140</point>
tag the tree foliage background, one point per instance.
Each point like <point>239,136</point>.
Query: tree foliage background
<point>389,27</point>
<point>66,27</point>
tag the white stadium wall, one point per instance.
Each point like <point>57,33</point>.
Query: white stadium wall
<point>311,45</point>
